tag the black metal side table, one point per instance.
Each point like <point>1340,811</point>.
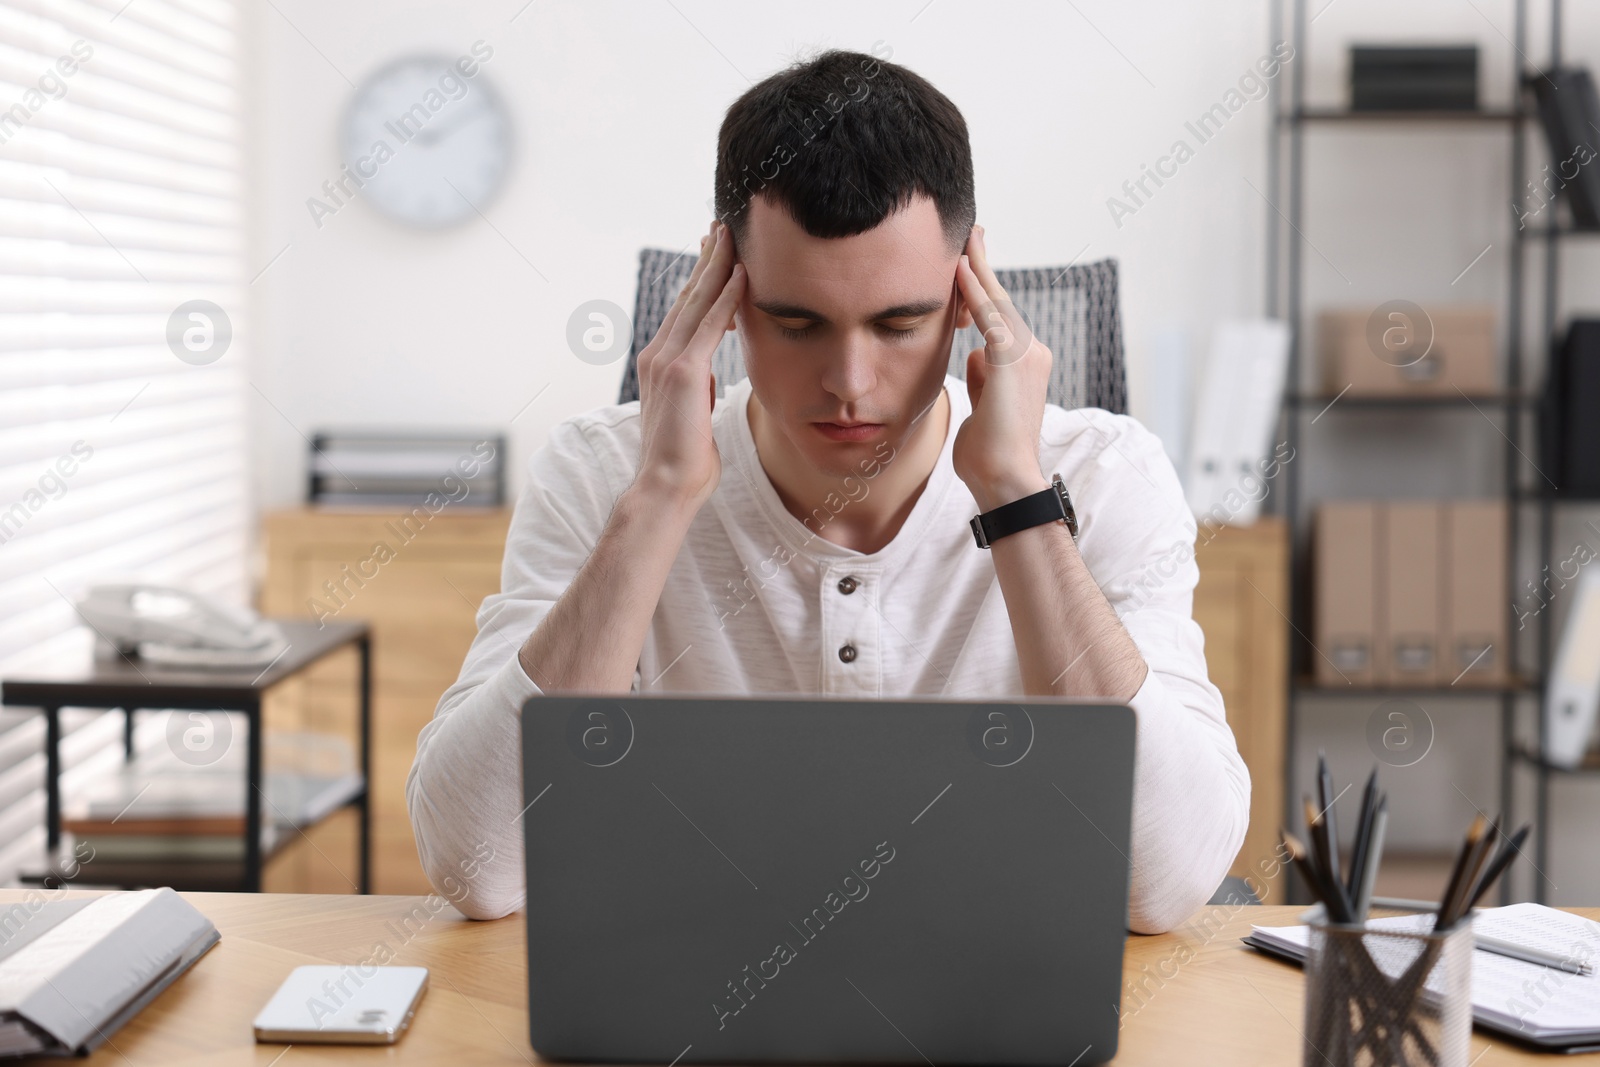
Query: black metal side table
<point>132,686</point>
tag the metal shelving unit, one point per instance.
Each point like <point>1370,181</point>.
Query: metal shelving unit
<point>1516,404</point>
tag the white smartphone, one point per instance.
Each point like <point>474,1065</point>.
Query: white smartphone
<point>350,1004</point>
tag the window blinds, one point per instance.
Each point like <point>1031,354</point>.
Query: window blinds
<point>120,203</point>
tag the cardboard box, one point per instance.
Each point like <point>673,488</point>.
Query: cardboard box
<point>1409,562</point>
<point>1401,359</point>
<point>1344,609</point>
<point>1473,646</point>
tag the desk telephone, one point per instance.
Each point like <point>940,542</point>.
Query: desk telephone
<point>173,627</point>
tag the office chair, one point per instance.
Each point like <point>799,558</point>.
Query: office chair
<point>1234,891</point>
<point>1073,310</point>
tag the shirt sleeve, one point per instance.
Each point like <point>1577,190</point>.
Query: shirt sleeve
<point>1191,792</point>
<point>464,792</point>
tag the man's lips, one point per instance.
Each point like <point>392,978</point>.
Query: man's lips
<point>852,431</point>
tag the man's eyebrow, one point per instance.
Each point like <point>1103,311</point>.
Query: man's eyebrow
<point>910,310</point>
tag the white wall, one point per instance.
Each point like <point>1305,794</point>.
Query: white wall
<point>616,105</point>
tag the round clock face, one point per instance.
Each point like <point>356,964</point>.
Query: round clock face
<point>428,142</point>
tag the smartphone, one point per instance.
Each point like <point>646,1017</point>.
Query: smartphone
<point>344,1005</point>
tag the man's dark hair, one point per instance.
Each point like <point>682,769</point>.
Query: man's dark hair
<point>841,141</point>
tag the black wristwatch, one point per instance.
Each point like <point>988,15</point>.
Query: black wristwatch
<point>1047,505</point>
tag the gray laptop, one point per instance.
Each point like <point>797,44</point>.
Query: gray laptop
<point>777,880</point>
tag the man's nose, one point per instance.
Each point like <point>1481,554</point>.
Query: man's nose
<point>851,372</point>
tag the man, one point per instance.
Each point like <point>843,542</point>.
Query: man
<point>809,532</point>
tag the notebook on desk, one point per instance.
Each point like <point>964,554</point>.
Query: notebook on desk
<point>1528,1003</point>
<point>73,970</point>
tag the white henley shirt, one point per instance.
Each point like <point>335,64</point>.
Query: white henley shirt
<point>757,602</point>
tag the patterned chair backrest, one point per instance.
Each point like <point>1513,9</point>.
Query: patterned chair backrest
<point>1073,310</point>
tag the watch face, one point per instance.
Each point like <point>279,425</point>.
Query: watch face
<point>429,144</point>
<point>1068,512</point>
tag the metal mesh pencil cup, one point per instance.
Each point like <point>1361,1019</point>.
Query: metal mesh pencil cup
<point>1387,998</point>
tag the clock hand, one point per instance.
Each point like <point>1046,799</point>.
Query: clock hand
<point>430,134</point>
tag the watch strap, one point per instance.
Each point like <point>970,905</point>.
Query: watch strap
<point>1047,505</point>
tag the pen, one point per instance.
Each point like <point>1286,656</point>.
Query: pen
<point>1499,946</point>
<point>1529,954</point>
<point>1404,904</point>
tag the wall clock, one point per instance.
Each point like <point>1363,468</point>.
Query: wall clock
<point>428,141</point>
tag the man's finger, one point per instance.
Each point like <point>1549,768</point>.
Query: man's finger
<point>704,293</point>
<point>665,329</point>
<point>1006,336</point>
<point>714,323</point>
<point>978,257</point>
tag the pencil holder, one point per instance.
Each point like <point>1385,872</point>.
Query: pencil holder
<point>1386,998</point>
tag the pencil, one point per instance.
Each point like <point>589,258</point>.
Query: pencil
<point>1302,862</point>
<point>1325,788</point>
<point>1447,900</point>
<point>1475,862</point>
<point>1359,845</point>
<point>1497,866</point>
<point>1369,872</point>
<point>1332,892</point>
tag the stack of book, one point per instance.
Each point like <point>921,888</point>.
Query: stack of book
<point>370,469</point>
<point>159,821</point>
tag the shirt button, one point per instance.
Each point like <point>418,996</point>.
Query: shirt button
<point>848,653</point>
<point>848,585</point>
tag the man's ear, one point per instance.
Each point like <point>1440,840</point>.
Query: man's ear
<point>964,317</point>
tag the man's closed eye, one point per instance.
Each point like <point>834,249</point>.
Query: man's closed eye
<point>891,332</point>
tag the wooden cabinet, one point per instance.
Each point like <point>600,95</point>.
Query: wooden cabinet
<point>1242,605</point>
<point>418,583</point>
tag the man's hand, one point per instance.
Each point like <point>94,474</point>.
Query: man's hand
<point>1069,639</point>
<point>591,639</point>
<point>996,450</point>
<point>678,460</point>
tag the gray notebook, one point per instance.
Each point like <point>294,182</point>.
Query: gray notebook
<point>73,971</point>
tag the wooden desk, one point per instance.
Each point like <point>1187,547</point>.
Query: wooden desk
<point>1208,1000</point>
